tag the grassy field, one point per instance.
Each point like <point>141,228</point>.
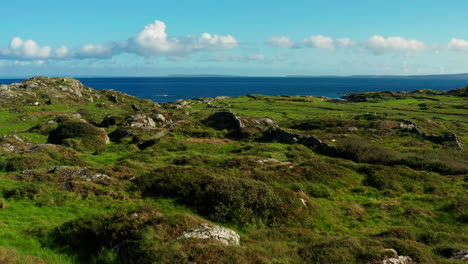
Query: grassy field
<point>385,187</point>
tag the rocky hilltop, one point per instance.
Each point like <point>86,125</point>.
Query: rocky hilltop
<point>92,176</point>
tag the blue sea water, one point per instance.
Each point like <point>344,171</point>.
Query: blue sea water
<point>169,89</point>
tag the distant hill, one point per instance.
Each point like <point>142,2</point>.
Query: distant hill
<point>433,76</point>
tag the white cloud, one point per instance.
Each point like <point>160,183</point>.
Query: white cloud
<point>153,40</point>
<point>25,50</point>
<point>320,42</point>
<point>256,57</point>
<point>100,51</point>
<point>222,58</point>
<point>378,44</point>
<point>346,42</point>
<point>63,52</point>
<point>458,45</point>
<point>282,42</point>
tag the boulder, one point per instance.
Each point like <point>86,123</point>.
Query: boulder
<point>224,120</point>
<point>206,231</point>
<point>239,127</point>
<point>159,118</point>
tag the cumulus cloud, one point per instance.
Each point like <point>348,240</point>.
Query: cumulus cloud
<point>150,41</point>
<point>320,42</point>
<point>25,50</point>
<point>281,42</point>
<point>459,45</point>
<point>153,40</point>
<point>379,44</point>
<point>99,51</point>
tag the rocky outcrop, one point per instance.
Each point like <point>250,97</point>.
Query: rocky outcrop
<point>83,173</point>
<point>45,90</point>
<point>448,137</point>
<point>283,136</point>
<point>140,120</point>
<point>206,231</point>
<point>394,258</point>
<point>12,143</point>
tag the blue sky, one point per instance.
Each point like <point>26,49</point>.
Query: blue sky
<point>256,37</point>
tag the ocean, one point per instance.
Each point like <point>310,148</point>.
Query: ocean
<point>170,89</point>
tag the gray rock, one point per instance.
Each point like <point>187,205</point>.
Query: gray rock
<point>224,120</point>
<point>283,136</point>
<point>159,118</point>
<point>394,258</point>
<point>139,120</point>
<point>461,255</point>
<point>215,232</point>
<point>448,137</point>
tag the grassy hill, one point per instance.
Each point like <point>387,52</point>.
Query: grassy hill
<point>103,177</point>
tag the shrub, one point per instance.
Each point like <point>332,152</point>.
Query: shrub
<point>361,150</point>
<point>92,234</point>
<point>234,200</point>
<point>339,250</point>
<point>78,134</point>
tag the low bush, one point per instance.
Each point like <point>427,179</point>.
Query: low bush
<point>360,150</point>
<point>339,250</point>
<point>233,200</point>
<point>78,134</point>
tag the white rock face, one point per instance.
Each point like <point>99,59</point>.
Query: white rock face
<point>207,231</point>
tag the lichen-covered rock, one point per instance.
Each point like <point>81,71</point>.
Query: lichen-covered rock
<point>448,137</point>
<point>159,118</point>
<point>83,173</point>
<point>139,120</point>
<point>206,231</point>
<point>39,90</point>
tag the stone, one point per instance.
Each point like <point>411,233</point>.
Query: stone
<point>207,231</point>
<point>159,118</point>
<point>461,255</point>
<point>139,120</point>
<point>273,161</point>
<point>224,120</point>
<point>392,257</point>
<point>283,136</point>
<point>135,108</point>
